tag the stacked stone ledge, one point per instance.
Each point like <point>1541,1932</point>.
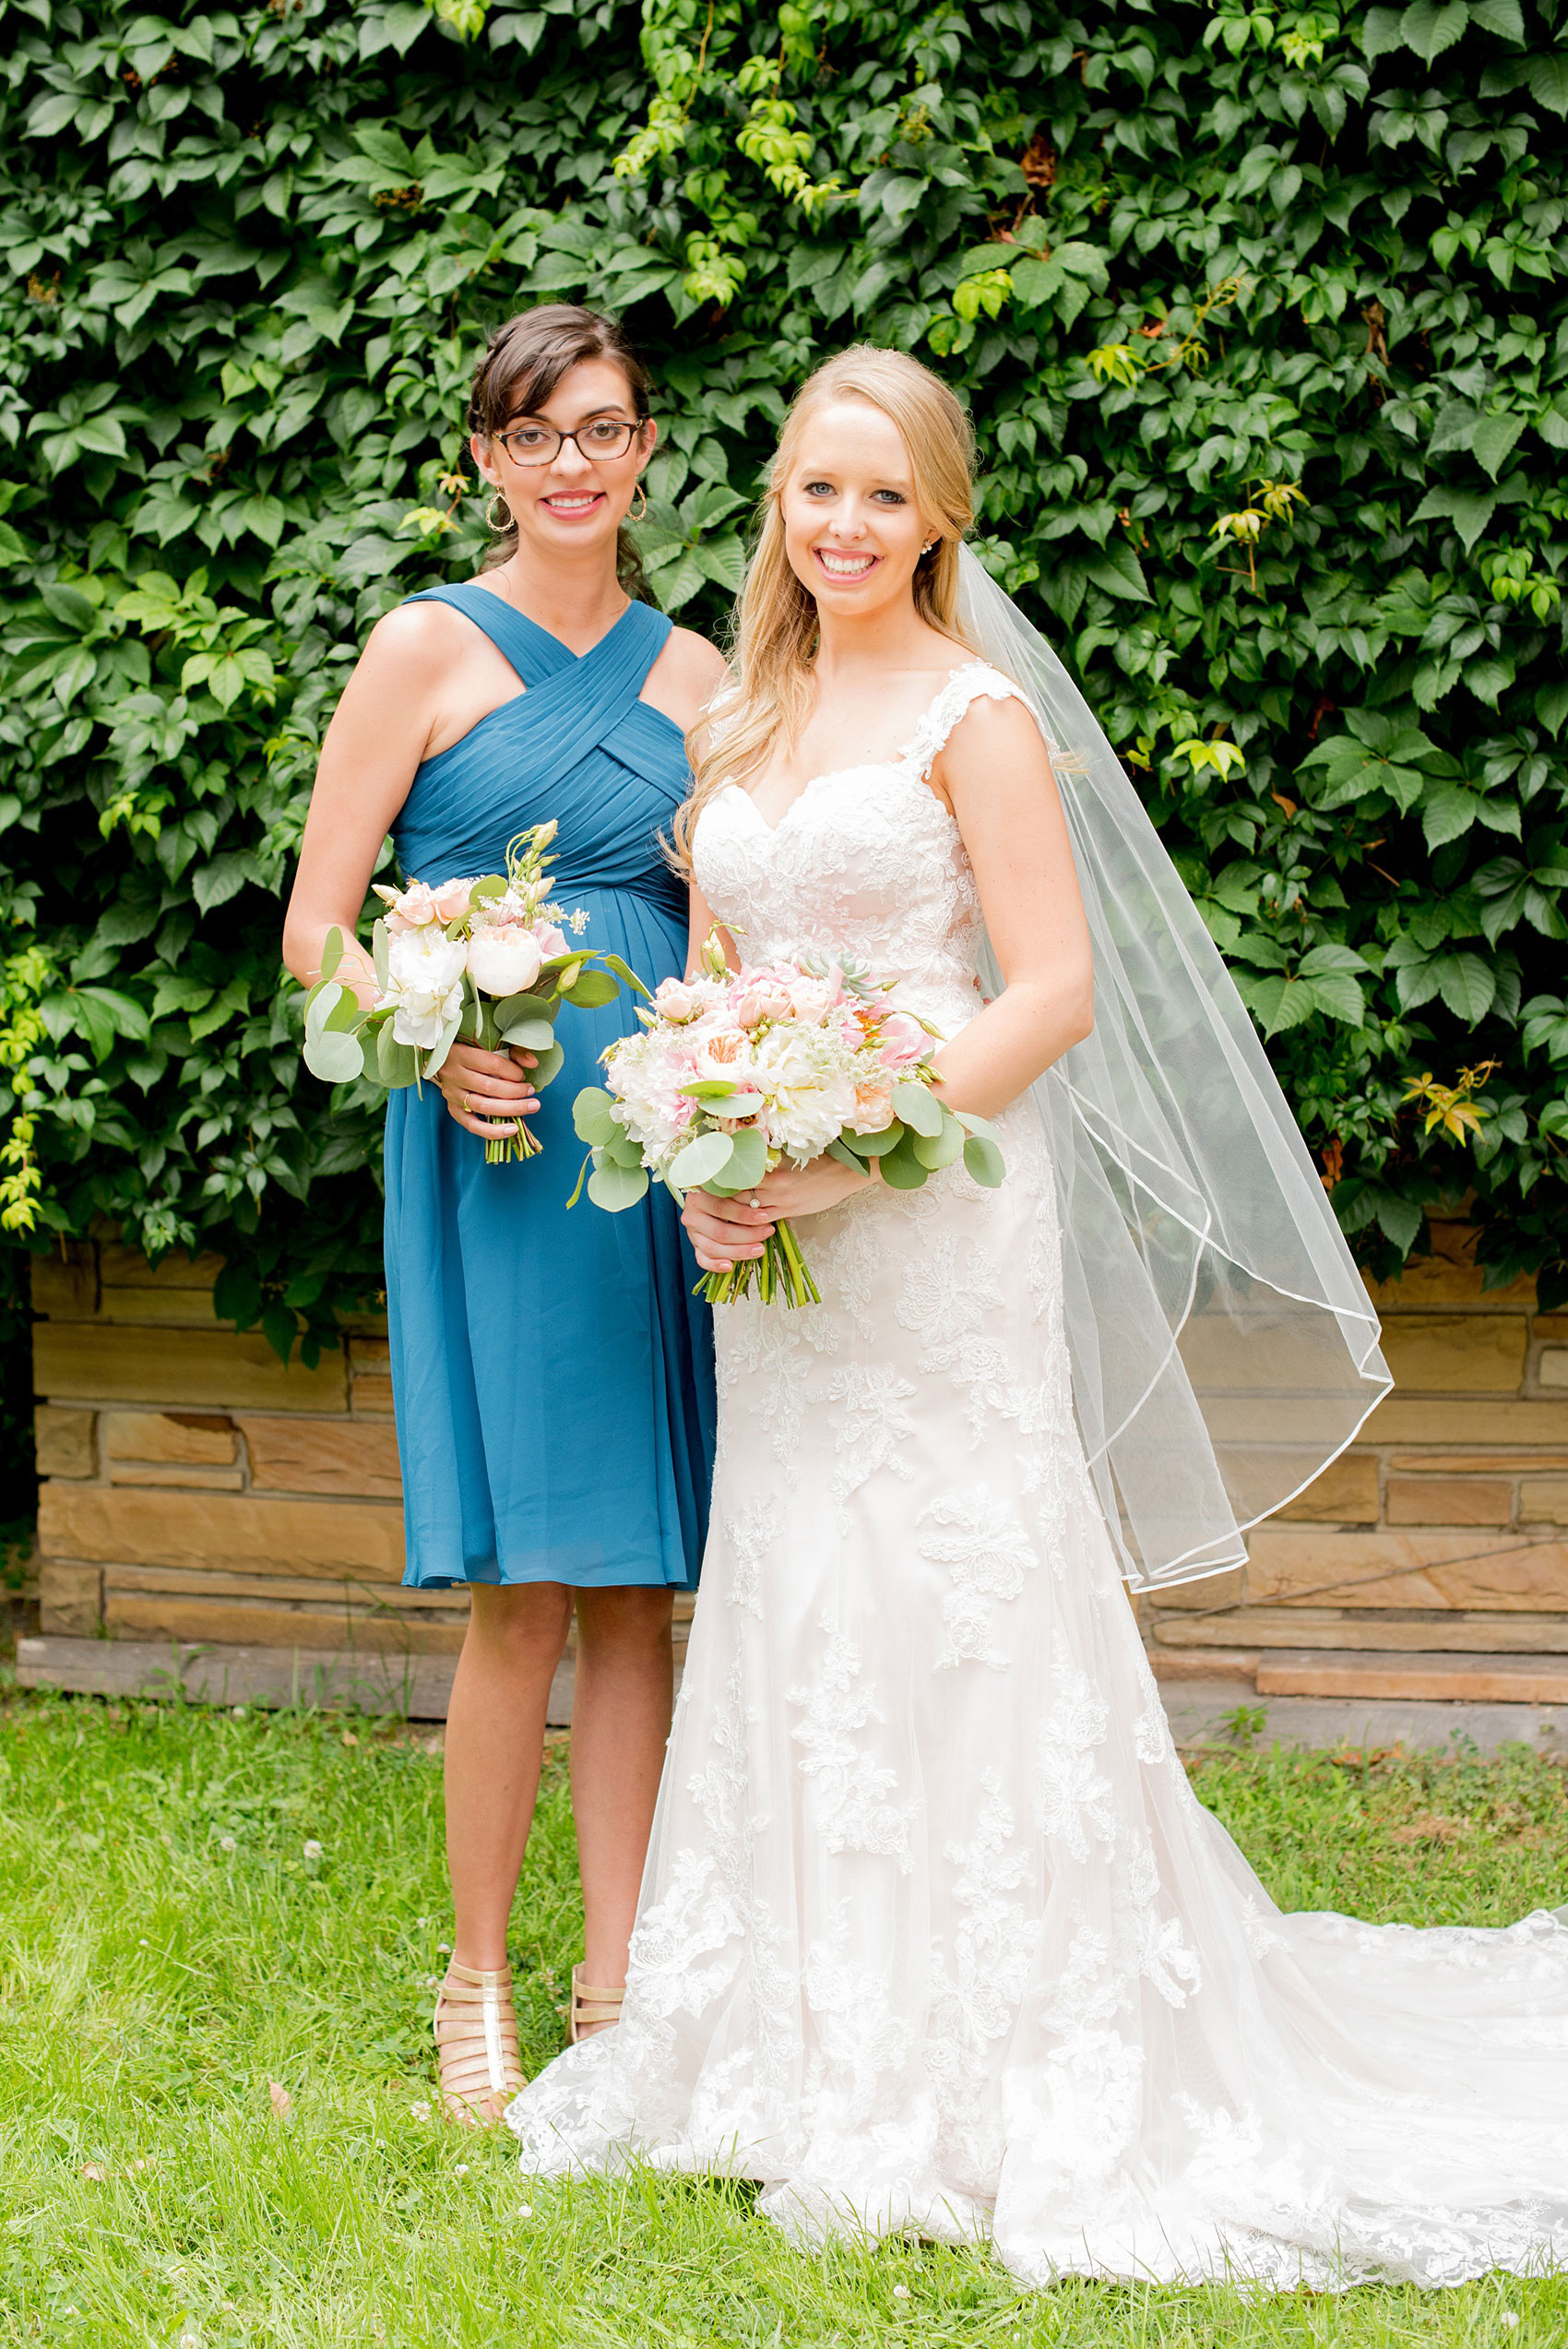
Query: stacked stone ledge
<point>1430,1560</point>
<point>199,1493</point>
<point>195,1489</point>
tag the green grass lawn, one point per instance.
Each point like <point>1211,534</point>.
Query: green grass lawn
<point>196,1907</point>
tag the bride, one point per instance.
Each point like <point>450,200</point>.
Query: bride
<point>934,1934</point>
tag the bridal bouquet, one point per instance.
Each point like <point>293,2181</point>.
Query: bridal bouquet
<point>487,961</point>
<point>729,1072</point>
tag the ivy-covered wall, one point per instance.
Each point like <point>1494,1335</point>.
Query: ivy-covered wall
<point>1262,321</point>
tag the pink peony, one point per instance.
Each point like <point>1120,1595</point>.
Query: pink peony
<point>903,1040</point>
<point>452,901</point>
<point>551,939</point>
<point>673,1000</point>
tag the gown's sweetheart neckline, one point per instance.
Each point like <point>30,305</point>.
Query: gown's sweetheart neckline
<point>897,765</point>
<point>522,693</point>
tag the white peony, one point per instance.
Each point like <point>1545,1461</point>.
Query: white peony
<point>420,1014</point>
<point>424,961</point>
<point>807,1082</point>
<point>502,961</point>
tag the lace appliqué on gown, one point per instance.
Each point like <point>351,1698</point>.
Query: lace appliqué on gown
<point>935,1932</point>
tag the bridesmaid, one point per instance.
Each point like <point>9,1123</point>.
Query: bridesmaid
<point>553,1374</point>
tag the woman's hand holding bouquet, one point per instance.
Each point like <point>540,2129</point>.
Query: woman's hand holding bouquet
<point>487,961</point>
<point>731,1073</point>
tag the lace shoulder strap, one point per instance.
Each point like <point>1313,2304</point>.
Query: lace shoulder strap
<point>977,681</point>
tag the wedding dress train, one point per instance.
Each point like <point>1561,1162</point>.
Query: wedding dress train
<point>934,1934</point>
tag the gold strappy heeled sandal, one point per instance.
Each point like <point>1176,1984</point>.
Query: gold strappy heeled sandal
<point>476,2043</point>
<point>591,2009</point>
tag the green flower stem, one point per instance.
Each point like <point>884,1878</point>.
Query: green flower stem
<point>780,1271</point>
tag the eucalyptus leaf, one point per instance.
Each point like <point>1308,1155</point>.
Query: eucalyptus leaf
<point>398,1065</point>
<point>334,1056</point>
<point>916,1106</point>
<point>983,1161</point>
<point>590,989</point>
<point>901,1169</point>
<point>746,1165</point>
<point>526,1006</point>
<point>615,1188</point>
<point>592,1116</point>
<point>940,1150</point>
<point>528,1030</point>
<point>701,1160</point>
<point>624,972</point>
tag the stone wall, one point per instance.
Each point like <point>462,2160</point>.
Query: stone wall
<point>194,1490</point>
<point>1431,1558</point>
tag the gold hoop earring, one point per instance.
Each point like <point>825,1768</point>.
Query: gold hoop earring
<point>635,513</point>
<point>502,521</point>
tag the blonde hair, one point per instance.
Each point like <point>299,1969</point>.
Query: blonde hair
<point>775,624</point>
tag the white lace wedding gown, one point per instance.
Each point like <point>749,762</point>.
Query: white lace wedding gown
<point>934,1934</point>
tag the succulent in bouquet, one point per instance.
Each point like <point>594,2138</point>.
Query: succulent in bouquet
<point>729,1073</point>
<point>488,961</point>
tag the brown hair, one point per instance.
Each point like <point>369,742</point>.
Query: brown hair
<point>523,361</point>
<point>775,624</point>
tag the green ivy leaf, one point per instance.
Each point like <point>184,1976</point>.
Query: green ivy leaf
<point>1429,27</point>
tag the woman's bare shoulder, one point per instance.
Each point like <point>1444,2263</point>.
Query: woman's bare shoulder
<point>700,663</point>
<point>686,676</point>
<point>418,632</point>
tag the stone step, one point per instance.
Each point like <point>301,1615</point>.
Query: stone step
<point>1419,1629</point>
<point>1207,1716</point>
<point>234,1674</point>
<point>231,1673</point>
<point>1466,1679</point>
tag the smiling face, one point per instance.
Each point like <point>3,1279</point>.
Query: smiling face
<point>574,505</point>
<point>854,532</point>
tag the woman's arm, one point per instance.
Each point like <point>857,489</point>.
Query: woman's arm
<point>995,776</point>
<point>376,739</point>
<point>392,705</point>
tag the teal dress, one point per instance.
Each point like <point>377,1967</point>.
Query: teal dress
<point>551,1371</point>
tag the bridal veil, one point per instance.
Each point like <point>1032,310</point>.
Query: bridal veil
<point>1223,1346</point>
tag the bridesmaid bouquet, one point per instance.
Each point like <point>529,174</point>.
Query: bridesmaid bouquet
<point>487,961</point>
<point>729,1072</point>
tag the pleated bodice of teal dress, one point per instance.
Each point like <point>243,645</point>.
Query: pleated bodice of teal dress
<point>552,1372</point>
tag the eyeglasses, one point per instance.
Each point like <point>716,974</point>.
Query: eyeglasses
<point>606,438</point>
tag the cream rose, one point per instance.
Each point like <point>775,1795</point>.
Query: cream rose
<point>409,909</point>
<point>503,962</point>
<point>673,1000</point>
<point>873,1108</point>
